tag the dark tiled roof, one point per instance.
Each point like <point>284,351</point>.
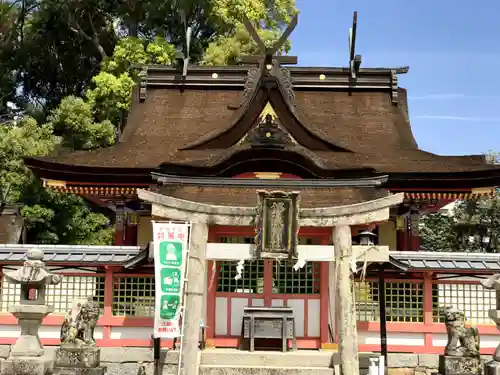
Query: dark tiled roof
<point>247,197</point>
<point>82,254</point>
<point>445,262</point>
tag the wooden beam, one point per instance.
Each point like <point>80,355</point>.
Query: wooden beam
<point>354,60</point>
<point>268,55</point>
<point>283,60</point>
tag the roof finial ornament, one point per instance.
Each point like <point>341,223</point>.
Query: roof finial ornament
<point>183,57</point>
<point>268,55</point>
<point>269,63</point>
<point>354,60</point>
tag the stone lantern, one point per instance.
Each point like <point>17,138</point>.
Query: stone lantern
<point>33,278</point>
<point>366,238</point>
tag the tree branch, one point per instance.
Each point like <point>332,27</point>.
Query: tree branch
<point>75,26</point>
<point>95,39</point>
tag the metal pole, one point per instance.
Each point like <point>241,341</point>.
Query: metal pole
<point>383,317</point>
<point>156,355</point>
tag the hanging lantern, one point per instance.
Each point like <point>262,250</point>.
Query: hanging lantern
<point>366,238</point>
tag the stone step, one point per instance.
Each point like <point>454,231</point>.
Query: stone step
<point>268,370</point>
<point>231,357</point>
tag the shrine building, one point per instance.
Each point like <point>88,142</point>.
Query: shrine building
<point>204,143</point>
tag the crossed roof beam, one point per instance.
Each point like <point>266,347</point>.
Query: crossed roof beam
<point>269,54</point>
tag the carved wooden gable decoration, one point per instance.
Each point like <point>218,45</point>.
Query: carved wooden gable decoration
<point>277,225</point>
<point>268,133</point>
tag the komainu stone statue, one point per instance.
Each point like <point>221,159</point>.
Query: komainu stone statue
<point>79,325</point>
<point>461,354</point>
<point>462,341</point>
<point>78,349</point>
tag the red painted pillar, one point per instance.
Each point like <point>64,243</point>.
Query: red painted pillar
<point>414,232</point>
<point>120,225</point>
<point>131,228</point>
<point>108,302</point>
<point>428,308</point>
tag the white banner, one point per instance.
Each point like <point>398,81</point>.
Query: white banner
<point>170,256</point>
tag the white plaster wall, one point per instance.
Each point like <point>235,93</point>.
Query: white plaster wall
<point>487,341</point>
<point>45,332</point>
<point>393,338</point>
<point>237,305</point>
<point>241,251</point>
<point>135,333</point>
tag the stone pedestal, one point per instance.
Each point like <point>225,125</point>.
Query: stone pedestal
<point>74,360</point>
<point>27,365</point>
<point>29,318</point>
<point>492,368</point>
<point>450,365</point>
<point>78,357</point>
<point>79,371</point>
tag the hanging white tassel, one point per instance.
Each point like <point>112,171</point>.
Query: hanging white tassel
<point>299,265</point>
<point>239,269</point>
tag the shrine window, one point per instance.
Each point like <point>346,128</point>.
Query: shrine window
<point>306,280</point>
<point>286,280</point>
<point>251,281</point>
<point>133,295</point>
<point>252,275</point>
<point>404,301</point>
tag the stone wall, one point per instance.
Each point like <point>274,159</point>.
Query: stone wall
<point>126,361</point>
<point>416,364</point>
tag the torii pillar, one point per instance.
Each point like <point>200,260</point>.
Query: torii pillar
<point>339,218</point>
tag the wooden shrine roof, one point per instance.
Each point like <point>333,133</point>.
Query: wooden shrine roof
<point>198,127</point>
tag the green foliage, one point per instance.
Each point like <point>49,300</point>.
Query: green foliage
<point>65,218</point>
<point>72,65</point>
<point>226,50</point>
<point>436,232</point>
<point>25,138</point>
<point>111,97</point>
<point>52,217</point>
<point>132,51</point>
<point>160,52</point>
<point>74,118</point>
<point>474,226</point>
<point>128,51</point>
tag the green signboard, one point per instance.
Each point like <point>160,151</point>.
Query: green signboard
<point>170,245</point>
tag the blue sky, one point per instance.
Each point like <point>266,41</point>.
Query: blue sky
<point>452,48</point>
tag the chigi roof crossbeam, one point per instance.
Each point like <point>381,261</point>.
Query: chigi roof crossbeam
<point>269,55</point>
<point>354,60</point>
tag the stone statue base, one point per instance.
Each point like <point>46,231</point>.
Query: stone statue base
<point>79,371</point>
<point>27,365</point>
<point>78,360</point>
<point>74,356</point>
<point>450,365</point>
<point>492,368</point>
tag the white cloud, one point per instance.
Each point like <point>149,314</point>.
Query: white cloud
<point>451,96</point>
<point>457,118</point>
